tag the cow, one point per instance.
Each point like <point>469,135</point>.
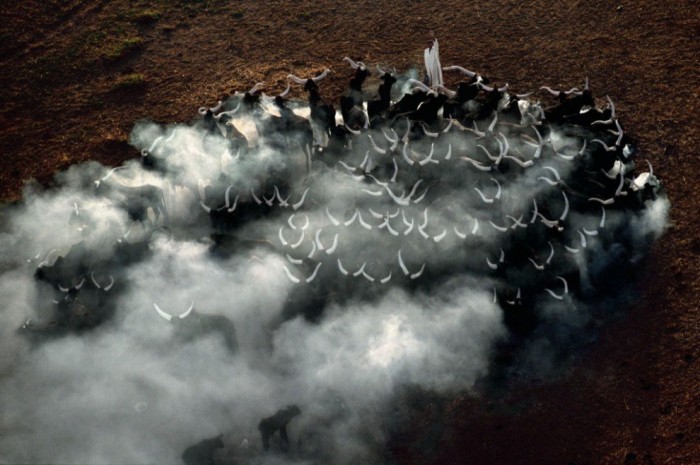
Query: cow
<point>351,105</point>
<point>407,104</point>
<point>80,303</point>
<point>377,108</point>
<point>294,126</point>
<point>277,422</point>
<point>134,200</point>
<point>361,74</point>
<point>191,325</point>
<point>203,452</point>
<point>571,102</point>
<point>283,131</point>
<point>222,123</point>
<point>322,112</point>
<point>427,111</point>
<point>495,99</point>
<point>460,103</point>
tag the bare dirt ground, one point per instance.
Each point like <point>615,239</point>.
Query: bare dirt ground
<point>75,76</point>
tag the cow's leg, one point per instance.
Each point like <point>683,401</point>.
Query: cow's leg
<point>283,435</point>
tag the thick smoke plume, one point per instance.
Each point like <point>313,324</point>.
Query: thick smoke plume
<point>247,261</point>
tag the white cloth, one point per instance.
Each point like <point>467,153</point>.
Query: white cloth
<point>432,65</point>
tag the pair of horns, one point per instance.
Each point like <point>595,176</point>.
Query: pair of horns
<point>422,86</point>
<point>316,79</point>
<point>354,64</point>
<point>203,110</point>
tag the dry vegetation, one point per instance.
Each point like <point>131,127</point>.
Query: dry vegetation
<point>75,75</point>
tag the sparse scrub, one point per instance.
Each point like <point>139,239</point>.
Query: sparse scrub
<point>48,67</point>
<point>147,16</point>
<point>123,48</point>
<point>130,81</point>
<point>305,16</point>
<point>168,29</point>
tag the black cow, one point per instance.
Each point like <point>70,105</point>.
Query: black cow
<point>322,112</point>
<point>203,452</point>
<point>407,104</point>
<point>293,125</point>
<point>277,422</point>
<point>279,131</point>
<point>135,200</point>
<point>361,74</point>
<point>377,108</point>
<point>457,105</point>
<point>351,105</point>
<point>493,97</point>
<point>571,103</point>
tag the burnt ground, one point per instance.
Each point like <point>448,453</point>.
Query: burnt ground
<point>76,75</point>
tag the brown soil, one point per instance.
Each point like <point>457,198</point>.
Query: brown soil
<point>75,76</point>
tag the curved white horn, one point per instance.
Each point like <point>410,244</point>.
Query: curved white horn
<point>446,91</point>
<point>313,275</point>
<point>475,228</point>
<point>256,88</point>
<point>296,79</point>
<point>333,246</point>
<point>399,200</point>
<point>187,312</point>
<point>352,131</point>
<point>286,91</point>
<point>206,209</point>
<point>228,113</point>
<point>566,285</point>
<point>161,312</point>
<point>202,111</point>
<point>402,264</point>
<point>298,205</point>
<point>353,65</point>
<point>566,206</point>
<point>550,90</point>
<point>291,277</point>
<point>92,276</point>
<point>460,69</point>
<point>216,108</point>
<point>375,146</point>
<point>418,274</point>
<point>422,86</point>
<point>111,172</point>
<point>342,269</point>
<point>323,75</point>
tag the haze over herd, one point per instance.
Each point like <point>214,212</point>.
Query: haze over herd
<point>277,264</point>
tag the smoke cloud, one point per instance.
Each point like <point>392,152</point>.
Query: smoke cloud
<point>213,281</point>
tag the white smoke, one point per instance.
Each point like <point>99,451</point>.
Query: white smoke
<point>136,388</point>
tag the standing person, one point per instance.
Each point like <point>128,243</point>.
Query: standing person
<point>433,70</point>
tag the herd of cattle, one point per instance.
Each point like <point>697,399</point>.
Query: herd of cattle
<point>410,186</point>
<point>476,181</point>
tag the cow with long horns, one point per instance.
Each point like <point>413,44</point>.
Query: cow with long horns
<point>322,112</point>
<point>190,325</point>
